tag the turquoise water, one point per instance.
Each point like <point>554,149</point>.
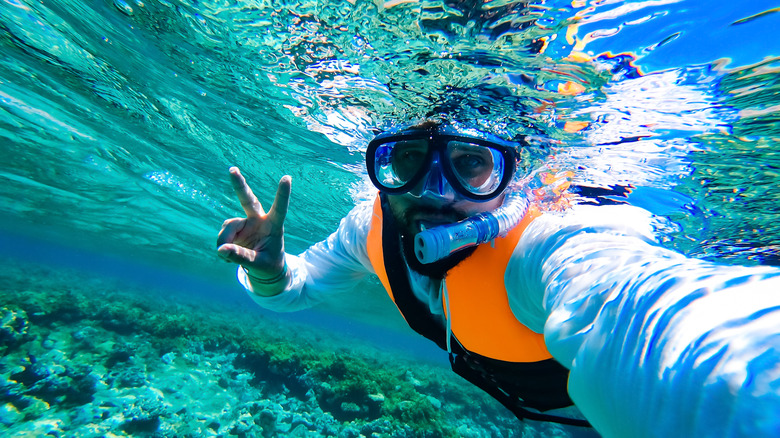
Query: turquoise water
<point>119,120</point>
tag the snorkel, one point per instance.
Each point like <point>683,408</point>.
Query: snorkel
<point>436,243</point>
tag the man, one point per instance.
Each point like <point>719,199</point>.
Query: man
<point>582,305</point>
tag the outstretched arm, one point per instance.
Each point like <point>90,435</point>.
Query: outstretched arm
<point>658,344</point>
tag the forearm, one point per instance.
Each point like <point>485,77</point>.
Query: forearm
<point>659,344</point>
<point>290,294</point>
<point>675,355</point>
<point>264,287</point>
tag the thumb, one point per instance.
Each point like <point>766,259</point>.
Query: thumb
<point>236,254</point>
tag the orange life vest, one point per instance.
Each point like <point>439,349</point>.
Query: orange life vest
<point>492,349</point>
<point>481,318</point>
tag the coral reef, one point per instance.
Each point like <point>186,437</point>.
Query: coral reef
<point>82,356</point>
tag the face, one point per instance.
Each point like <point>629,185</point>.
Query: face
<point>434,176</point>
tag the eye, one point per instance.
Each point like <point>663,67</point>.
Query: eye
<point>409,152</point>
<point>469,161</point>
<point>411,155</point>
<point>472,163</point>
<point>408,157</point>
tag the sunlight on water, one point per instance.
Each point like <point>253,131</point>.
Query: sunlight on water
<point>133,110</point>
<point>142,106</point>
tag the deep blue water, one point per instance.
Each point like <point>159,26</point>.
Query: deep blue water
<point>177,285</point>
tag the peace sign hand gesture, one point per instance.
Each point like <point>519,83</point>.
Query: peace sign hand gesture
<point>257,241</point>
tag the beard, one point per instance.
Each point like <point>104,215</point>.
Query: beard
<point>409,228</point>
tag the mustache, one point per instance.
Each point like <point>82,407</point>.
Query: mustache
<point>443,210</point>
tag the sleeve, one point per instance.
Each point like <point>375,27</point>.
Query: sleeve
<point>657,344</point>
<point>327,268</point>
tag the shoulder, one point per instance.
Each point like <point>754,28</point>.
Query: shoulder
<point>359,218</point>
<point>562,243</point>
<point>350,239</point>
<point>609,219</point>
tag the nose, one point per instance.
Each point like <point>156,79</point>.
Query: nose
<point>434,185</point>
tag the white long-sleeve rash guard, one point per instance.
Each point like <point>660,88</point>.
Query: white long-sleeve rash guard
<point>658,344</point>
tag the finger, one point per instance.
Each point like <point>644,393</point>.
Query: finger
<point>282,200</point>
<point>237,254</point>
<point>249,202</point>
<point>230,228</point>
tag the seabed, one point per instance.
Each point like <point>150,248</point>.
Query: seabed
<point>91,356</point>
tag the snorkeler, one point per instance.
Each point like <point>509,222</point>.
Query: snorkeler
<point>540,309</point>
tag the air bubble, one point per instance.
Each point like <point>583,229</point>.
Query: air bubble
<point>124,7</point>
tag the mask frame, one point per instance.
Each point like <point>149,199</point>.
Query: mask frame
<point>437,139</point>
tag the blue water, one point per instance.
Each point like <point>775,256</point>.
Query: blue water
<point>119,120</point>
<point>151,277</point>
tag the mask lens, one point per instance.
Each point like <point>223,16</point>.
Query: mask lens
<point>397,163</point>
<point>479,169</point>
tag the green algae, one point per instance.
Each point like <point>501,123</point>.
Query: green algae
<point>113,336</point>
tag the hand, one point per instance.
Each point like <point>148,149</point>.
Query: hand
<point>257,241</point>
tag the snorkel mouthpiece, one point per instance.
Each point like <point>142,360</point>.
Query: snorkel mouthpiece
<point>439,242</point>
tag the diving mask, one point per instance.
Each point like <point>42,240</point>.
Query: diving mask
<point>478,167</point>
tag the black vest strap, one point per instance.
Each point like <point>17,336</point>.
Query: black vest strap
<point>414,311</point>
<point>516,385</point>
